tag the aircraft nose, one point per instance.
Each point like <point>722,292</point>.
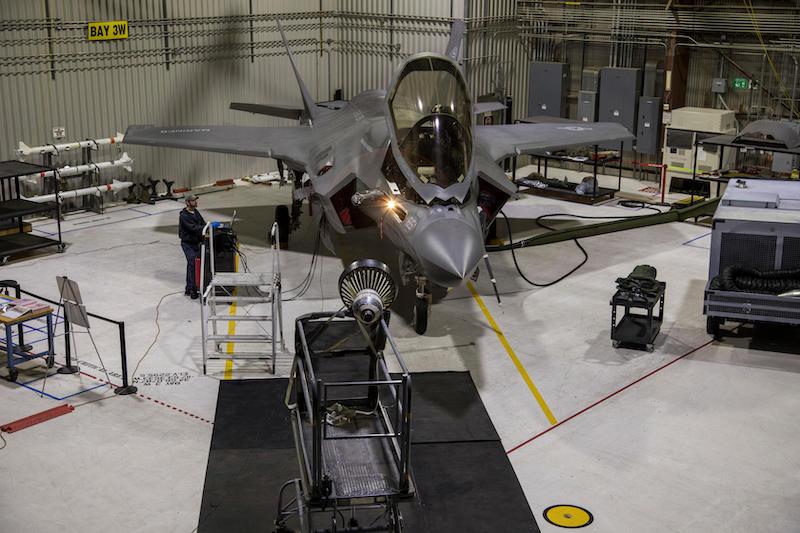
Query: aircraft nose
<point>449,250</point>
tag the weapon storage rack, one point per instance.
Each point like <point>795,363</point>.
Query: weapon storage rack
<point>13,208</point>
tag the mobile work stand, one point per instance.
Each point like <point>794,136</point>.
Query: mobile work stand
<point>245,289</point>
<point>352,428</point>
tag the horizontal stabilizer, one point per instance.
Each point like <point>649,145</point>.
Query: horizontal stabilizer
<point>486,107</point>
<point>292,113</point>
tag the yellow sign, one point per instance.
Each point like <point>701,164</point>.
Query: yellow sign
<point>104,31</point>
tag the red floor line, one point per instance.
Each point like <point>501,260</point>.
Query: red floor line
<point>601,400</point>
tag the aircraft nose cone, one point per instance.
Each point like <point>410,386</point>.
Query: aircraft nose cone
<point>449,250</point>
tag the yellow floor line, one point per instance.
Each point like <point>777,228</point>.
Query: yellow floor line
<point>231,327</point>
<point>521,369</point>
<point>230,347</point>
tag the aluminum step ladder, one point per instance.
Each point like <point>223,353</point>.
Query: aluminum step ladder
<point>247,290</point>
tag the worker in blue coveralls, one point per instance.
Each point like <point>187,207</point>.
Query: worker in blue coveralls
<point>190,231</point>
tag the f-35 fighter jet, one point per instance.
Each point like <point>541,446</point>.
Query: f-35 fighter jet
<point>408,160</point>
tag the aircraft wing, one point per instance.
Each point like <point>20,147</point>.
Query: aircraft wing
<point>286,143</point>
<point>508,140</point>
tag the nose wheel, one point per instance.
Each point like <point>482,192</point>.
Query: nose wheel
<point>283,220</point>
<point>422,306</point>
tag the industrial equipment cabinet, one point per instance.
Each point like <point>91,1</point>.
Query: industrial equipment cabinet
<point>757,225</point>
<point>637,329</point>
<point>13,207</point>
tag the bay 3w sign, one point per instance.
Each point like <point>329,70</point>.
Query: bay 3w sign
<point>104,31</point>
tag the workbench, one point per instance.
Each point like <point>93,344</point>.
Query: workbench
<point>16,353</point>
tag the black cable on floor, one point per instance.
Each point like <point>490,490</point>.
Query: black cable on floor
<point>578,244</point>
<point>307,281</point>
<point>636,204</point>
<point>519,270</point>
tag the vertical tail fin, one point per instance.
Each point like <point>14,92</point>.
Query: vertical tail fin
<point>308,103</point>
<point>456,36</point>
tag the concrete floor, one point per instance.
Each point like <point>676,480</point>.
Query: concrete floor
<point>708,443</point>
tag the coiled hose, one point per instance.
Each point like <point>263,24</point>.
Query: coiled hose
<point>743,279</point>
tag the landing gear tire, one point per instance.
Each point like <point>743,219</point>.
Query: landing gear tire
<point>395,520</point>
<point>420,319</point>
<point>13,374</point>
<point>282,219</point>
<point>713,324</point>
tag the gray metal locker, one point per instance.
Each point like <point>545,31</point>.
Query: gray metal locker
<point>590,79</point>
<point>619,97</point>
<point>648,136</point>
<point>653,79</point>
<point>587,106</point>
<point>547,89</point>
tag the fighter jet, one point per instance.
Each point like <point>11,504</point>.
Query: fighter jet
<point>408,160</point>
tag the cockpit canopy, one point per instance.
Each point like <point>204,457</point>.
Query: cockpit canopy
<point>432,120</point>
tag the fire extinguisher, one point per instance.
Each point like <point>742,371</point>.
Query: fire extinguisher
<point>197,277</point>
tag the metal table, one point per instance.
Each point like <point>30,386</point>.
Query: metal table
<point>16,353</point>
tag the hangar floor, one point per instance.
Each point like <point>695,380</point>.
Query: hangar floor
<point>696,436</point>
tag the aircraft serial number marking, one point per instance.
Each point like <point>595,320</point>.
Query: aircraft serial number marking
<point>187,130</point>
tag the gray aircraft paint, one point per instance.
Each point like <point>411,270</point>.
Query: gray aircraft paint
<point>443,234</point>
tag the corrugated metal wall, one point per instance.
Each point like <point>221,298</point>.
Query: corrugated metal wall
<point>376,35</point>
<point>495,57</point>
<point>96,88</point>
<point>186,60</point>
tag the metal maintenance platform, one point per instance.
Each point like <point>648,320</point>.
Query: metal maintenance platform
<point>351,423</point>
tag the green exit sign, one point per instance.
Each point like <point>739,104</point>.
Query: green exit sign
<point>741,83</point>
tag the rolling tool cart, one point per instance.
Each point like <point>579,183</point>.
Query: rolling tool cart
<point>640,290</point>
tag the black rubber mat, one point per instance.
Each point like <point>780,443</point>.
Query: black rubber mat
<point>252,414</point>
<point>447,408</point>
<point>466,486</point>
<point>464,480</point>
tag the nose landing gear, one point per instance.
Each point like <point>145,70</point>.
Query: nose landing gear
<point>422,305</point>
